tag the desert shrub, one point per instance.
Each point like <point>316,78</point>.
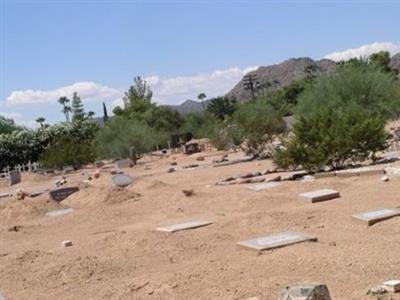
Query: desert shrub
<point>120,134</point>
<point>332,138</point>
<point>254,126</point>
<point>201,125</point>
<point>356,85</point>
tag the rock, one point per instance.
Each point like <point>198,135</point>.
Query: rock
<point>385,178</point>
<point>308,178</point>
<point>377,290</point>
<point>171,170</point>
<point>392,286</point>
<point>67,243</point>
<point>305,291</point>
<point>188,193</point>
<point>122,180</point>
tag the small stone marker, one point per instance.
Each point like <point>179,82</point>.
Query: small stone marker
<point>263,186</point>
<point>59,212</point>
<point>372,217</point>
<point>15,177</point>
<point>67,243</point>
<point>184,226</point>
<point>62,193</point>
<point>305,291</point>
<point>392,286</point>
<point>320,195</point>
<point>4,195</point>
<point>124,163</point>
<point>122,180</point>
<point>276,241</point>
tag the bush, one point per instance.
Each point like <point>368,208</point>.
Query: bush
<point>116,138</point>
<point>201,125</point>
<point>254,126</point>
<point>332,138</point>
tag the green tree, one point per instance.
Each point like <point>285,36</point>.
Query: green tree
<point>8,125</point>
<point>78,112</point>
<point>381,60</point>
<point>221,107</point>
<point>90,114</point>
<point>66,109</point>
<point>105,114</point>
<point>41,121</point>
<point>201,97</point>
<point>332,138</point>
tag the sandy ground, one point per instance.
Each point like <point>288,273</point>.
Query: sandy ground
<point>117,254</point>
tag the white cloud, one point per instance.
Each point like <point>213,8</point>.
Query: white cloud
<point>88,91</point>
<point>174,90</point>
<point>364,51</point>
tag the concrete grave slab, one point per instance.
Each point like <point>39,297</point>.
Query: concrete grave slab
<point>320,195</point>
<point>392,286</point>
<point>124,163</point>
<point>62,193</point>
<point>364,171</point>
<point>15,177</point>
<point>305,291</point>
<point>184,226</point>
<point>375,216</point>
<point>122,180</point>
<point>276,240</point>
<point>59,212</point>
<point>263,186</point>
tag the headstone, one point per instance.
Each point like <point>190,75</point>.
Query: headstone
<point>320,195</point>
<point>122,180</point>
<point>124,163</point>
<point>392,286</point>
<point>15,177</point>
<point>276,241</point>
<point>305,291</point>
<point>59,212</point>
<point>62,193</point>
<point>372,217</point>
<point>184,226</point>
<point>263,186</point>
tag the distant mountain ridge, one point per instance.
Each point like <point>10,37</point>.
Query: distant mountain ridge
<point>279,75</point>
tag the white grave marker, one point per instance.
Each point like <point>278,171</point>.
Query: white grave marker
<point>372,217</point>
<point>392,286</point>
<point>60,212</point>
<point>263,186</point>
<point>276,240</point>
<point>320,195</point>
<point>184,226</point>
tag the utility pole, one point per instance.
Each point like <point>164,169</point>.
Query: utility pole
<point>251,83</point>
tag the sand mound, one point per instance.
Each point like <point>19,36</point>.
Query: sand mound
<point>18,210</point>
<point>92,196</point>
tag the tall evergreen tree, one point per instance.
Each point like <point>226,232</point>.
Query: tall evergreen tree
<point>105,114</point>
<point>78,113</point>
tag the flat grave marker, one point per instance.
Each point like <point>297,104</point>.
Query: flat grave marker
<point>59,212</point>
<point>320,195</point>
<point>122,180</point>
<point>62,193</point>
<point>184,226</point>
<point>375,216</point>
<point>124,163</point>
<point>276,240</point>
<point>263,186</point>
<point>15,177</point>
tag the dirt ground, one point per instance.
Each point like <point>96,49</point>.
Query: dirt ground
<point>117,254</point>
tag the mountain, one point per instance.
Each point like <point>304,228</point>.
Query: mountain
<point>282,74</point>
<point>189,106</point>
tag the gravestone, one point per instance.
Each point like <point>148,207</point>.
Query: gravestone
<point>320,195</point>
<point>122,180</point>
<point>305,291</point>
<point>263,186</point>
<point>124,163</point>
<point>372,217</point>
<point>59,212</point>
<point>15,177</point>
<point>276,241</point>
<point>62,193</point>
<point>184,226</point>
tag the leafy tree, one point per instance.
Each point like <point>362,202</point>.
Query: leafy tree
<point>8,125</point>
<point>200,124</point>
<point>255,126</point>
<point>163,119</point>
<point>332,138</point>
<point>66,109</point>
<point>355,85</point>
<point>78,112</point>
<point>90,115</point>
<point>221,107</point>
<point>41,121</point>
<point>381,60</point>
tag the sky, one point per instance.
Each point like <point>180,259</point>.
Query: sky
<point>53,48</point>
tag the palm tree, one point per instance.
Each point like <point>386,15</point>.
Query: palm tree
<point>202,96</point>
<point>221,107</point>
<point>66,109</point>
<point>41,121</point>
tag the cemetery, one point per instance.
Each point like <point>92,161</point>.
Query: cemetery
<point>131,232</point>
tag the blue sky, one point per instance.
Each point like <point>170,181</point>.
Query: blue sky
<point>181,47</point>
